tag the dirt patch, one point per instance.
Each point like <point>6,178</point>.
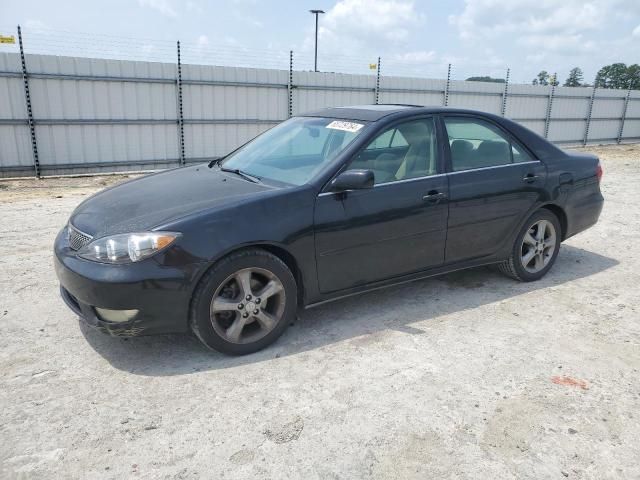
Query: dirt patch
<point>32,188</point>
<point>285,433</point>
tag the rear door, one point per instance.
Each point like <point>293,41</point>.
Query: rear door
<point>493,182</point>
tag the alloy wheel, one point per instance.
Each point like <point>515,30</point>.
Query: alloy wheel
<point>538,246</point>
<point>247,305</point>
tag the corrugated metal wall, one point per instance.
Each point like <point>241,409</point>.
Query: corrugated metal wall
<point>96,115</point>
<point>15,142</point>
<point>226,106</point>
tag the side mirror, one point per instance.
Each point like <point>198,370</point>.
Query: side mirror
<point>353,180</point>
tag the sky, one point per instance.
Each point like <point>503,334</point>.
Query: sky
<point>418,38</point>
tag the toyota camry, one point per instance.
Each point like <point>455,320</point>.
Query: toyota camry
<point>324,205</point>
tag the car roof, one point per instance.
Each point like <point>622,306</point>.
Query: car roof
<point>373,113</point>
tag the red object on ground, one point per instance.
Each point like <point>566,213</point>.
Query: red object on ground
<point>570,382</point>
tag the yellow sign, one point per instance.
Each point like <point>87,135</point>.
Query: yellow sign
<point>10,39</point>
<point>373,66</point>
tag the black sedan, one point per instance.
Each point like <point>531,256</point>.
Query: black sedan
<point>323,205</point>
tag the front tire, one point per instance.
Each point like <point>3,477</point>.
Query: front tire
<point>535,249</point>
<point>244,302</point>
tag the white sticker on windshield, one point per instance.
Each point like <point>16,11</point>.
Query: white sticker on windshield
<point>346,126</point>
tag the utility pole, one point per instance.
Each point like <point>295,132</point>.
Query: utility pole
<point>315,61</point>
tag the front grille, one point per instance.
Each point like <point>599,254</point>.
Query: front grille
<point>77,239</point>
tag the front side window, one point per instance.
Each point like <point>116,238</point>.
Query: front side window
<point>402,152</point>
<point>294,151</point>
<point>475,143</point>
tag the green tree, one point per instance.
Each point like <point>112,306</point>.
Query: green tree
<point>633,76</point>
<point>616,75</point>
<point>542,78</point>
<point>485,79</point>
<point>575,78</point>
<point>553,80</point>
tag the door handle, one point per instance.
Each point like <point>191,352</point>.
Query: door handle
<point>530,178</point>
<point>434,196</point>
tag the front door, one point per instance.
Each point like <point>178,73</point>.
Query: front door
<point>493,183</point>
<point>395,228</point>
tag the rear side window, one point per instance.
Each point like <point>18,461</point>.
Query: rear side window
<point>475,143</point>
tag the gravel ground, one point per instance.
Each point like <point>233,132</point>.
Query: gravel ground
<point>468,375</point>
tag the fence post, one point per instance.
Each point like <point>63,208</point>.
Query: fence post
<point>624,115</point>
<point>549,107</point>
<point>378,82</point>
<point>27,96</point>
<point>446,87</point>
<point>505,93</point>
<point>180,111</point>
<point>588,124</point>
<point>290,85</point>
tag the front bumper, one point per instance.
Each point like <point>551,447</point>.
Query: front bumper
<point>88,314</point>
<point>160,292</point>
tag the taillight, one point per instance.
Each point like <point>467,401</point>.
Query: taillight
<point>599,171</point>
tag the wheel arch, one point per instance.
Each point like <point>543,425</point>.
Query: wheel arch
<point>508,265</point>
<point>279,251</point>
<point>290,261</point>
<point>559,212</point>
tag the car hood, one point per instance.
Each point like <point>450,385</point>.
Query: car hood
<point>146,202</point>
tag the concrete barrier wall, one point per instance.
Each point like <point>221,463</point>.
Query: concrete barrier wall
<point>99,115</point>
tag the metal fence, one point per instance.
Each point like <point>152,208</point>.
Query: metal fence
<point>70,115</point>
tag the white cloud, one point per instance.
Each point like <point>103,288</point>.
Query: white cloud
<point>550,34</point>
<point>353,25</point>
<point>165,7</point>
<point>488,18</point>
<point>203,41</point>
<point>566,27</point>
<point>34,25</point>
<point>421,56</point>
<point>353,33</point>
<point>636,31</point>
<point>193,7</point>
<point>229,40</point>
<point>536,58</point>
<point>247,19</point>
<point>565,44</point>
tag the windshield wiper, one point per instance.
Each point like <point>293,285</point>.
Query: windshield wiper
<point>245,175</point>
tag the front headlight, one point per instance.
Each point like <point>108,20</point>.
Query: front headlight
<point>128,247</point>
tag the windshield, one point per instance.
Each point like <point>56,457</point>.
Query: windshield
<point>294,151</point>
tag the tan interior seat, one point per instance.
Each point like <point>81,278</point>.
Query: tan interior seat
<point>420,159</point>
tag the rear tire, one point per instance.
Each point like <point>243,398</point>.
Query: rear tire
<point>244,302</point>
<point>535,249</point>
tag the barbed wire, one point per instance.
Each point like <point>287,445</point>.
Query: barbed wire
<point>60,42</point>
